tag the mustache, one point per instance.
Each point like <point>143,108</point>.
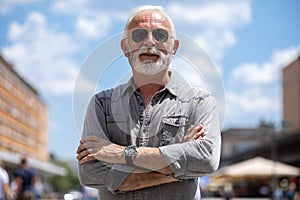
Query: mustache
<point>152,50</point>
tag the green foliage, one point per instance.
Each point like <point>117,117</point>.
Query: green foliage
<point>266,125</point>
<point>65,183</point>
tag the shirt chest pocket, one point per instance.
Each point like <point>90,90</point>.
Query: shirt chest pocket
<point>172,130</point>
<point>118,129</point>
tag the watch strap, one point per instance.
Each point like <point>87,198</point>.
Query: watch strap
<point>129,160</point>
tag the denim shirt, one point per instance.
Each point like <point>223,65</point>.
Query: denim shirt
<point>120,115</point>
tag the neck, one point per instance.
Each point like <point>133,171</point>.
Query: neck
<point>162,78</point>
<point>149,85</point>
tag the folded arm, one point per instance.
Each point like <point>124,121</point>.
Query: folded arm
<point>152,169</point>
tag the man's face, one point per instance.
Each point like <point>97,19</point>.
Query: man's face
<point>149,43</point>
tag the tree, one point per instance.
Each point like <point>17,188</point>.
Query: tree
<point>65,183</point>
<point>266,125</point>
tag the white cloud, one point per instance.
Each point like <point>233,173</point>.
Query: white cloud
<point>256,89</point>
<point>42,55</point>
<point>265,72</point>
<point>34,20</point>
<point>216,43</point>
<point>93,27</point>
<point>189,73</point>
<point>247,107</point>
<point>250,101</point>
<point>69,6</point>
<point>92,21</point>
<point>212,23</point>
<point>215,13</point>
<point>7,5</point>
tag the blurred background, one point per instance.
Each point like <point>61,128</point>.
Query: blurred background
<point>255,46</point>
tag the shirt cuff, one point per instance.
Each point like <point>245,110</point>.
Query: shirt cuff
<point>176,158</point>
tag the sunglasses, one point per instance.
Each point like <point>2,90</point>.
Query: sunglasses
<point>140,34</point>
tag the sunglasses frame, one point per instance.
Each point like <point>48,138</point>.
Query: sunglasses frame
<point>155,33</point>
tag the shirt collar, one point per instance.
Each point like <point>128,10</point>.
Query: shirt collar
<point>173,86</point>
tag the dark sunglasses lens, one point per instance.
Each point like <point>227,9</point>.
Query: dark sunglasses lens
<point>139,35</point>
<point>161,35</point>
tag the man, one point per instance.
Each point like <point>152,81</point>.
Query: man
<point>152,137</point>
<point>25,181</point>
<point>4,183</point>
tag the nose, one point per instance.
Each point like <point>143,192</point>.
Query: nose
<point>149,40</point>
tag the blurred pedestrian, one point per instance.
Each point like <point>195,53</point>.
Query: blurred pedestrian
<point>25,181</point>
<point>38,188</point>
<point>4,183</point>
<point>90,193</point>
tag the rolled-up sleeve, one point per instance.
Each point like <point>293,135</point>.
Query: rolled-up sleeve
<point>197,157</point>
<point>98,174</point>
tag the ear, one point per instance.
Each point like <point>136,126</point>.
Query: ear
<point>124,47</point>
<point>175,47</point>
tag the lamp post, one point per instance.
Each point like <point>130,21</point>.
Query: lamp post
<point>274,157</point>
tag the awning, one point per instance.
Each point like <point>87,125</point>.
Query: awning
<point>258,166</point>
<point>46,167</point>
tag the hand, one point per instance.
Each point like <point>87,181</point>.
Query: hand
<point>193,133</point>
<point>95,148</point>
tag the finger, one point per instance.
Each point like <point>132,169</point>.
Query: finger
<point>88,138</point>
<point>86,159</point>
<point>193,131</point>
<point>198,128</point>
<point>198,138</point>
<point>82,154</point>
<point>189,132</point>
<point>80,148</point>
<point>93,145</point>
<point>199,134</point>
<point>87,145</point>
<point>190,128</point>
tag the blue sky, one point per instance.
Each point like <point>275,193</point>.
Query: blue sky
<point>248,40</point>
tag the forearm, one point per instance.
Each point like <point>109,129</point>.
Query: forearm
<point>151,159</point>
<point>7,190</point>
<point>192,159</point>
<point>97,174</point>
<point>139,180</point>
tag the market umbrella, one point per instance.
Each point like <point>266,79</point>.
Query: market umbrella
<point>257,166</point>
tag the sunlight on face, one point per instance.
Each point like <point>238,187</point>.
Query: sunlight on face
<point>149,66</point>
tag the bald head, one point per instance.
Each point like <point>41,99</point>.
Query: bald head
<point>143,14</point>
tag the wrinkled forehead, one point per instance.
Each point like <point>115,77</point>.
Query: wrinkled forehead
<point>149,19</point>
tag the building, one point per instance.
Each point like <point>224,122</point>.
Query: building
<point>237,146</point>
<point>23,121</point>
<point>238,141</point>
<point>291,96</point>
<point>265,141</point>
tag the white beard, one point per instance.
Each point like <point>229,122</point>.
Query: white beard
<point>149,67</point>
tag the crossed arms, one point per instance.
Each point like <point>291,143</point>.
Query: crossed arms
<point>101,163</point>
<point>151,169</point>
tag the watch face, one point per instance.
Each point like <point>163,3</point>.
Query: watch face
<point>130,151</point>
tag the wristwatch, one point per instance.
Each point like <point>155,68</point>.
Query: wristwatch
<point>130,152</point>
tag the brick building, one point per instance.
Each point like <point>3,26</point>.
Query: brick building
<point>291,95</point>
<point>23,121</point>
